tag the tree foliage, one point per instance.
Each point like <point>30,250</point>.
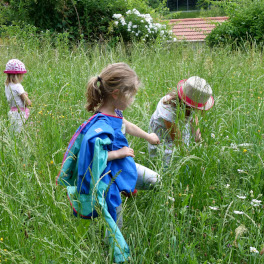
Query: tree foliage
<point>245,23</point>
<point>89,19</point>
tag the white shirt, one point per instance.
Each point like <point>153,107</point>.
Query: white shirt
<point>13,95</point>
<point>168,112</point>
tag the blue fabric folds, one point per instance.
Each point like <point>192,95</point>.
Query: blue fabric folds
<point>119,175</point>
<point>86,203</point>
<point>94,185</point>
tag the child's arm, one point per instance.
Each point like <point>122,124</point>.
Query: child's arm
<point>120,153</point>
<point>134,130</point>
<point>197,133</point>
<point>25,99</point>
<point>174,131</point>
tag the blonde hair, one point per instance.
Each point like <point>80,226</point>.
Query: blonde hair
<point>115,76</point>
<point>172,98</point>
<point>176,102</point>
<point>13,78</point>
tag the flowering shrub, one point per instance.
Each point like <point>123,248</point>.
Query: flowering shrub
<point>136,26</point>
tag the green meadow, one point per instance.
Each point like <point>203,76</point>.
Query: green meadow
<point>209,207</point>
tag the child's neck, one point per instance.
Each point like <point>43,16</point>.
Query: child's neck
<point>108,109</point>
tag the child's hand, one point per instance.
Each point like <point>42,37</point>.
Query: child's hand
<point>153,139</point>
<point>125,152</point>
<point>120,153</point>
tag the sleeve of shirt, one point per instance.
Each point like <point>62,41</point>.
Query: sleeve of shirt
<point>166,111</point>
<point>19,89</point>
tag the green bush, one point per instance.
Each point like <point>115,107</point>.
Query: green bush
<point>3,13</point>
<point>245,23</point>
<point>88,19</point>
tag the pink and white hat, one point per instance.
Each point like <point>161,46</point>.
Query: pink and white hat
<point>15,66</point>
<point>196,92</point>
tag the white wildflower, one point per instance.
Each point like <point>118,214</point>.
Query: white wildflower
<point>136,12</point>
<point>255,202</point>
<point>212,135</point>
<point>245,145</point>
<point>171,198</point>
<point>117,16</point>
<point>234,147</point>
<point>213,208</point>
<point>241,197</point>
<point>253,250</point>
<point>122,21</point>
<point>238,212</point>
<point>227,186</point>
<point>158,25</point>
<point>116,23</point>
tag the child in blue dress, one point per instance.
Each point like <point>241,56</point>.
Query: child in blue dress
<point>110,96</point>
<point>105,160</point>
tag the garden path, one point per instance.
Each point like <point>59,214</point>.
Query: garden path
<point>194,29</point>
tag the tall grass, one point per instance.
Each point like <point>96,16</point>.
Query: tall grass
<point>213,11</point>
<point>189,218</point>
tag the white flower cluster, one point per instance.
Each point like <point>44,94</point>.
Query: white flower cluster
<point>120,19</point>
<point>255,202</point>
<point>214,208</point>
<point>141,26</point>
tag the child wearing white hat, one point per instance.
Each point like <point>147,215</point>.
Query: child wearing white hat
<point>16,96</point>
<point>173,119</point>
